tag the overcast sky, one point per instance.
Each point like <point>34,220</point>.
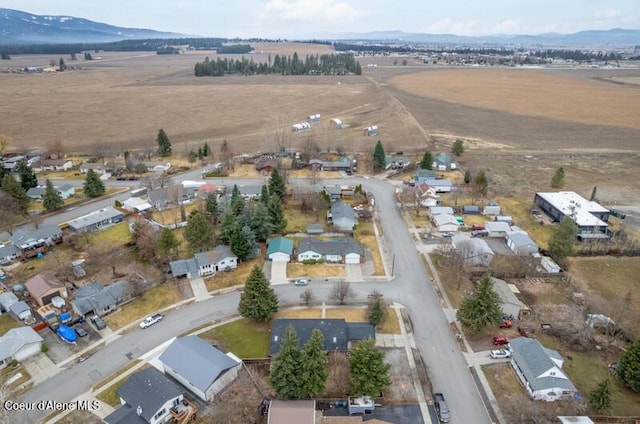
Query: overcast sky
<point>308,18</point>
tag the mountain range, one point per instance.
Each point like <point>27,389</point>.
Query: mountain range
<point>17,27</point>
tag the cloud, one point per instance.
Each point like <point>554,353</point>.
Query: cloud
<point>320,11</point>
<point>607,14</point>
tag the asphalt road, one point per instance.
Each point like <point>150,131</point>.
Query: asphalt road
<point>411,287</point>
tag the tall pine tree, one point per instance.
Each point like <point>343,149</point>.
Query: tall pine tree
<point>52,199</point>
<point>285,367</point>
<point>199,232</point>
<point>483,307</point>
<point>28,178</point>
<point>313,365</point>
<point>276,185</point>
<point>211,208</point>
<point>228,226</point>
<point>164,144</point>
<point>236,203</point>
<point>369,372</point>
<point>278,221</point>
<point>563,239</point>
<point>427,161</point>
<point>167,244</point>
<point>258,301</point>
<point>379,157</point>
<point>557,181</point>
<point>93,185</point>
<point>15,190</point>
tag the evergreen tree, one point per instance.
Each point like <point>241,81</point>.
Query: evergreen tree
<point>199,232</point>
<point>313,365</point>
<point>600,397</point>
<point>481,184</point>
<point>211,208</point>
<point>458,147</point>
<point>563,239</point>
<point>427,161</point>
<point>467,176</point>
<point>285,367</point>
<point>93,185</point>
<point>164,144</point>
<point>243,243</point>
<point>236,204</point>
<point>11,186</point>
<point>264,195</point>
<point>278,221</point>
<point>482,307</point>
<point>557,181</point>
<point>369,372</point>
<point>261,222</point>
<point>206,150</point>
<point>193,156</point>
<point>167,243</point>
<point>28,178</point>
<point>379,157</point>
<point>593,194</point>
<point>276,185</point>
<point>376,311</point>
<point>228,226</point>
<point>258,301</point>
<point>628,370</point>
<point>52,199</point>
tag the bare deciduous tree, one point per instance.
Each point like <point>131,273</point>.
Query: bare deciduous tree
<point>341,292</point>
<point>5,141</point>
<point>55,148</point>
<point>307,297</point>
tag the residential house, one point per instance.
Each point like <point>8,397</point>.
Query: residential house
<point>315,164</point>
<point>146,397</point>
<point>334,192</point>
<point>540,370</point>
<point>10,164</point>
<point>279,249</point>
<point>440,210</point>
<point>396,162</point>
<point>53,165</point>
<point>344,250</point>
<point>98,168</point>
<point>199,366</point>
<point>342,216</point>
<point>19,344</point>
<point>315,228</point>
<point>445,223</point>
<point>441,186</point>
<point>159,198</point>
<point>344,163</point>
<point>157,166</point>
<point>427,195</point>
<point>423,175</point>
<point>7,299</point>
<point>96,299</point>
<point>9,254</point>
<point>492,209</point>
<point>22,312</point>
<point>511,305</point>
<point>497,228</point>
<point>520,243</point>
<point>96,220</point>
<point>42,289</point>
<point>136,205</point>
<point>265,164</point>
<point>36,193</point>
<point>590,217</point>
<point>250,192</point>
<point>65,191</point>
<point>292,411</point>
<point>473,251</point>
<point>205,263</point>
<point>33,241</point>
<point>337,332</point>
<point>443,162</point>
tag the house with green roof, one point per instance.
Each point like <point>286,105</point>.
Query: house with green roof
<point>279,249</point>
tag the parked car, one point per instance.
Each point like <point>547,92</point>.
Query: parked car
<point>80,331</point>
<point>525,331</point>
<point>500,354</point>
<point>150,320</point>
<point>301,282</point>
<point>447,234</point>
<point>479,233</point>
<point>477,227</point>
<point>98,322</point>
<point>441,408</point>
<point>500,340</point>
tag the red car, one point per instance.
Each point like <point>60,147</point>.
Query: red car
<point>500,340</point>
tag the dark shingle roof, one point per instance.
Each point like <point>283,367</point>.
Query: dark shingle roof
<point>148,389</point>
<point>197,361</point>
<point>214,256</point>
<point>360,331</point>
<point>183,267</point>
<point>342,246</point>
<point>26,235</point>
<point>533,359</point>
<point>124,415</point>
<point>334,331</point>
<point>96,296</point>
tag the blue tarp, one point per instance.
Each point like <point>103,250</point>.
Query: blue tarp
<point>67,334</point>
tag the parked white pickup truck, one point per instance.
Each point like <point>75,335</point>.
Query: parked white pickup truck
<point>150,320</point>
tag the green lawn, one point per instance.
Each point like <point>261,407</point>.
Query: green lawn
<point>153,300</point>
<point>519,208</point>
<point>115,235</point>
<point>7,323</point>
<point>297,220</point>
<point>246,339</point>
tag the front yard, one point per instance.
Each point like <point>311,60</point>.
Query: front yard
<point>365,235</point>
<point>236,277</point>
<point>245,338</point>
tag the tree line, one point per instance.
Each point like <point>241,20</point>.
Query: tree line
<point>326,64</point>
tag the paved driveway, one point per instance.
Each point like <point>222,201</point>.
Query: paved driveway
<point>354,272</point>
<point>279,273</point>
<point>199,289</point>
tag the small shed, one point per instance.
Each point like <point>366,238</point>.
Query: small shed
<point>371,131</point>
<point>446,223</point>
<point>337,122</point>
<point>504,218</point>
<point>497,228</point>
<point>43,290</point>
<point>315,229</point>
<point>470,210</point>
<point>520,243</point>
<point>491,210</point>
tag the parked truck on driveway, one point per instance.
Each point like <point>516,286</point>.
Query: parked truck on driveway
<point>441,408</point>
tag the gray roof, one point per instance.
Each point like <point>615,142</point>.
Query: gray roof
<point>36,191</point>
<point>124,415</point>
<point>95,296</point>
<point>360,331</point>
<point>438,183</point>
<point>157,195</point>
<point>197,361</point>
<point>334,331</point>
<point>439,210</point>
<point>7,299</point>
<point>214,256</point>
<point>470,208</point>
<point>19,307</point>
<point>341,211</point>
<point>315,228</point>
<point>65,187</point>
<point>342,246</point>
<point>497,226</point>
<point>533,359</point>
<point>445,218</point>
<point>476,246</point>
<point>149,389</point>
<point>94,218</point>
<point>521,239</point>
<point>250,190</point>
<point>511,305</point>
<point>26,235</point>
<point>425,174</point>
<point>13,340</point>
<point>10,250</point>
<point>183,267</point>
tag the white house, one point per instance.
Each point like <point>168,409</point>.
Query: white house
<point>497,228</point>
<point>66,190</point>
<point>446,223</point>
<point>540,370</point>
<point>474,251</point>
<point>279,249</point>
<point>19,344</point>
<point>205,263</point>
<point>157,166</point>
<point>53,165</point>
<point>199,366</point>
<point>137,205</point>
<point>344,250</point>
<point>441,186</point>
<point>146,397</point>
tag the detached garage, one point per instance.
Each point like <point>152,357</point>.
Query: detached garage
<point>19,344</point>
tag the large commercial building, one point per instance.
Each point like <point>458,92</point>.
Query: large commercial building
<point>590,217</point>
